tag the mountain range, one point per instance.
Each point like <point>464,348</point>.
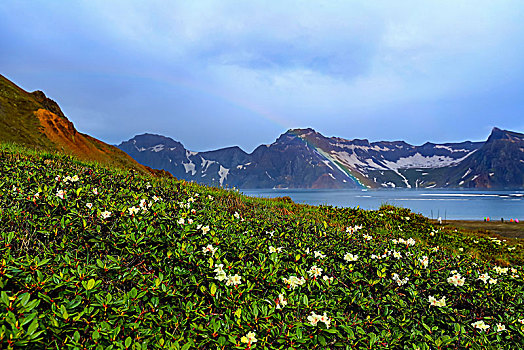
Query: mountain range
<point>299,158</point>
<point>304,158</point>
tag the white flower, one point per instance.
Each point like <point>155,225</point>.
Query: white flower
<point>400,281</point>
<point>209,249</point>
<point>60,194</point>
<point>181,221</point>
<point>318,254</point>
<point>315,271</point>
<point>105,214</point>
<point>236,215</point>
<point>397,254</point>
<point>501,270</point>
<point>521,320</point>
<point>249,338</point>
<point>314,319</point>
<point>367,237</point>
<point>350,257</point>
<point>480,325</point>
<point>221,274</point>
<point>326,278</point>
<point>275,250</point>
<point>281,302</point>
<point>456,280</point>
<point>424,261</point>
<point>492,281</point>
<point>156,199</point>
<point>133,210</point>
<point>434,302</point>
<point>67,179</point>
<point>191,200</point>
<point>307,250</point>
<point>435,249</point>
<point>210,197</point>
<point>74,178</point>
<point>148,185</point>
<point>37,195</point>
<point>205,230</point>
<point>500,327</point>
<point>484,277</point>
<point>95,191</point>
<point>233,280</point>
<point>89,205</point>
<point>143,203</point>
<point>190,221</point>
<point>326,320</point>
<point>294,281</point>
<point>353,229</point>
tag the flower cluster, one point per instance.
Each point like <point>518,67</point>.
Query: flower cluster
<point>209,249</point>
<point>434,302</point>
<point>400,281</point>
<point>456,279</point>
<point>275,250</point>
<point>315,271</point>
<point>318,254</point>
<point>480,325</point>
<point>249,338</point>
<point>294,281</point>
<point>350,257</point>
<point>424,261</point>
<point>221,275</point>
<point>353,229</point>
<point>486,278</point>
<point>70,179</point>
<point>501,270</point>
<point>409,241</point>
<point>281,302</point>
<point>314,319</point>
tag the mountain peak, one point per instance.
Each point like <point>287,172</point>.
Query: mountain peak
<point>499,134</point>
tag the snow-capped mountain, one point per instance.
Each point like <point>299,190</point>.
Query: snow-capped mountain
<point>304,158</point>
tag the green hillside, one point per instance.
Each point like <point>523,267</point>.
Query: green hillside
<point>92,258</point>
<point>35,121</point>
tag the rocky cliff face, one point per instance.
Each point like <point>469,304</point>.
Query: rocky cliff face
<point>304,158</point>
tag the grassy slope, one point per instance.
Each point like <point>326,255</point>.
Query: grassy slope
<point>26,121</point>
<point>72,279</point>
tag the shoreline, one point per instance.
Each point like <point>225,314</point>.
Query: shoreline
<point>503,229</point>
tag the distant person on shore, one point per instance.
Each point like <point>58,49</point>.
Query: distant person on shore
<point>439,220</point>
<point>501,219</point>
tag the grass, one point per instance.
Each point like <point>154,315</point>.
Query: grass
<point>101,258</point>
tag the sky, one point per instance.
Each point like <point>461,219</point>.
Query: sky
<point>214,74</point>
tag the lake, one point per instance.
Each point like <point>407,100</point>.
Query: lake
<point>450,204</point>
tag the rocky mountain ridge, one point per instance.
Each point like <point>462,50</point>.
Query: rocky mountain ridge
<point>304,158</point>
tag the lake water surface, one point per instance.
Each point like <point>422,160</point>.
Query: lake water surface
<point>449,204</point>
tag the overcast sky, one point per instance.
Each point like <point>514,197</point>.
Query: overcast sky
<point>213,74</point>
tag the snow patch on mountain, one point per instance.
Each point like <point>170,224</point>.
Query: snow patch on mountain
<point>222,172</point>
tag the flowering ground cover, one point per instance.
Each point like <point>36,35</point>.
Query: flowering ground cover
<point>105,259</point>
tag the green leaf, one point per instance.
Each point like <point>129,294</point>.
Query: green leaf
<point>213,289</point>
<point>128,341</point>
<point>95,335</point>
<point>32,327</point>
<point>90,284</point>
<point>76,336</point>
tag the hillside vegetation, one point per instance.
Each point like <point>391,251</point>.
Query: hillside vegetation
<point>37,122</point>
<point>94,258</point>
